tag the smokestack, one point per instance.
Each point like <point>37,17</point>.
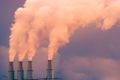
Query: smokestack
<point>11,71</point>
<point>20,74</point>
<point>29,71</point>
<point>49,70</point>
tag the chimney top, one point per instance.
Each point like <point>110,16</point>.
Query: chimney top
<point>11,66</point>
<point>20,66</point>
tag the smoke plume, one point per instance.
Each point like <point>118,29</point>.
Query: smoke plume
<point>55,21</point>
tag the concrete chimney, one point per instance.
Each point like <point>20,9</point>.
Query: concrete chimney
<point>20,73</point>
<point>49,70</point>
<point>29,71</point>
<point>11,71</point>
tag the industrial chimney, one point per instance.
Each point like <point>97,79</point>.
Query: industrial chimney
<point>49,71</point>
<point>20,73</point>
<point>11,71</point>
<point>29,71</point>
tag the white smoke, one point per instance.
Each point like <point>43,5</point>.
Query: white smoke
<point>55,21</point>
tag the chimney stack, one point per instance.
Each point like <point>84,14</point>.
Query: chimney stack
<point>20,73</point>
<point>49,70</point>
<point>29,71</point>
<point>11,71</point>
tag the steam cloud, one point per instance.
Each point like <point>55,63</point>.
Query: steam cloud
<point>56,21</point>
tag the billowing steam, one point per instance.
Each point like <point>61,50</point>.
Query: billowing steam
<point>55,21</point>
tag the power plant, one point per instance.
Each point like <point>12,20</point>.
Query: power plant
<point>29,76</point>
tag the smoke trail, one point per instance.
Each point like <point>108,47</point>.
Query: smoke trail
<point>56,21</point>
<point>72,15</point>
<point>19,35</point>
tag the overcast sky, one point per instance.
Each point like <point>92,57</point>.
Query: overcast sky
<point>92,54</point>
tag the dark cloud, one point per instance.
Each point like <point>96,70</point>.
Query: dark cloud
<point>88,68</point>
<point>92,54</point>
<point>94,42</point>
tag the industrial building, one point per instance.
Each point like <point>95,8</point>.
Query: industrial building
<point>20,72</point>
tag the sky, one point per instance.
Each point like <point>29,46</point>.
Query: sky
<point>91,54</point>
